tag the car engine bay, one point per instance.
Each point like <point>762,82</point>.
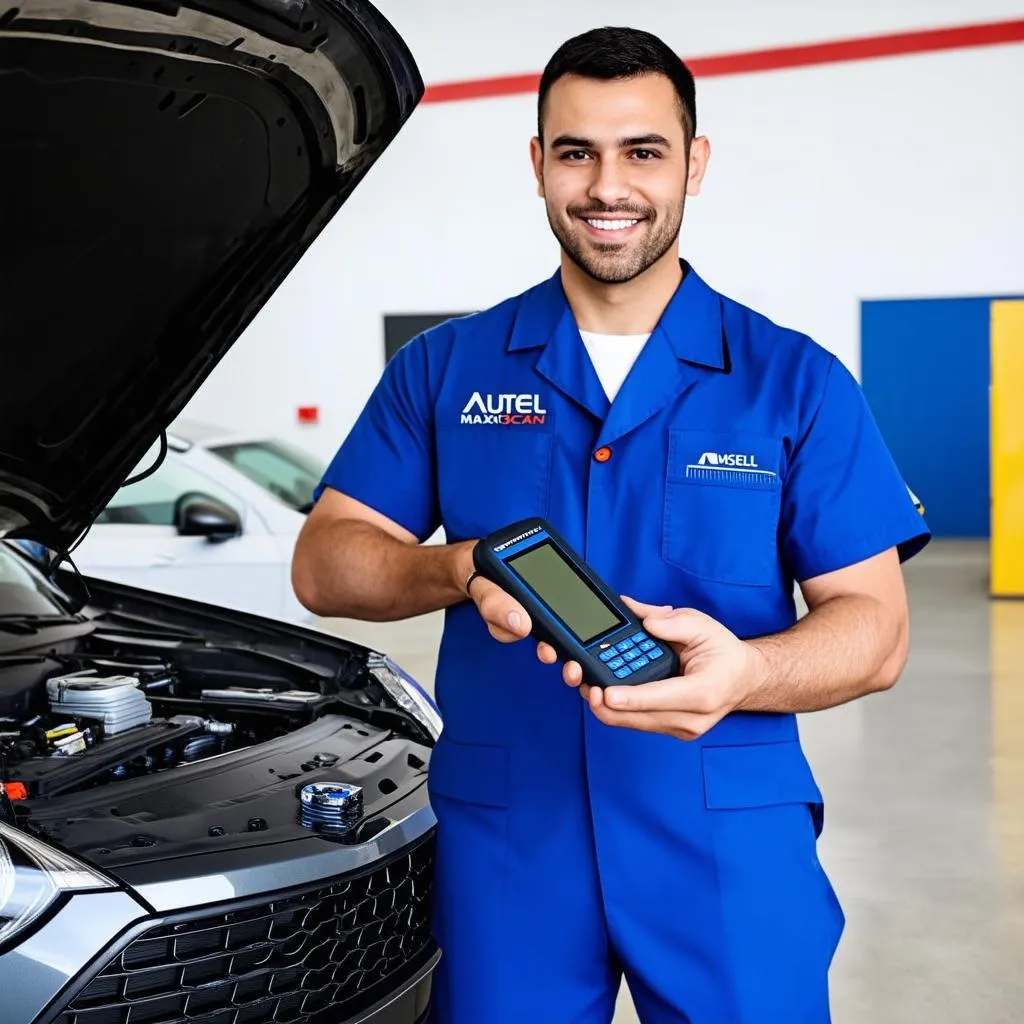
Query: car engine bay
<point>142,734</point>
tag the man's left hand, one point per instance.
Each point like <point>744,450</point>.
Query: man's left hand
<point>719,672</point>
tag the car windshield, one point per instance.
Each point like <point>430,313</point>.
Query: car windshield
<point>23,591</point>
<point>286,472</point>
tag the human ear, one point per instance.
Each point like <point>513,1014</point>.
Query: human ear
<point>700,154</point>
<point>537,159</point>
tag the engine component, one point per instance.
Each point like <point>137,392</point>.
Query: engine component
<point>58,732</point>
<point>219,728</point>
<point>265,694</point>
<point>247,705</point>
<point>331,807</point>
<point>200,747</point>
<point>68,745</point>
<point>116,701</point>
<point>154,746</point>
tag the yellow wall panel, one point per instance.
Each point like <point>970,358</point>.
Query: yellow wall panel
<point>1007,669</point>
<point>1007,449</point>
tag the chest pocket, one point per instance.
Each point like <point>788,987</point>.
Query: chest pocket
<point>491,476</point>
<point>722,501</point>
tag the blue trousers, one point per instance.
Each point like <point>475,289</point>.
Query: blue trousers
<point>703,887</point>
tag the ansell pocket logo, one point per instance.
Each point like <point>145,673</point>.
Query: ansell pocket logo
<point>731,467</point>
<point>728,460</point>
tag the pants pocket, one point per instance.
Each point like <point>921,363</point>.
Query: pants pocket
<point>780,913</point>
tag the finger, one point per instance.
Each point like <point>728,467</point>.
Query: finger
<point>505,617</point>
<point>502,635</point>
<point>572,673</point>
<point>675,694</point>
<point>646,610</point>
<point>677,724</point>
<point>546,653</point>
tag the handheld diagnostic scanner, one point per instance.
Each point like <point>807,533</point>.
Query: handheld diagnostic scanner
<point>572,609</point>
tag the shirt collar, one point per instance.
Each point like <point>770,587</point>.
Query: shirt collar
<point>691,322</point>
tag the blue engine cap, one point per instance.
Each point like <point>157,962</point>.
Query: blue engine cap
<point>333,807</point>
<point>332,794</point>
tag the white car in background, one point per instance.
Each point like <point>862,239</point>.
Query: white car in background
<point>217,522</point>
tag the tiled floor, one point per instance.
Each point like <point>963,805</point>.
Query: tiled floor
<point>924,837</point>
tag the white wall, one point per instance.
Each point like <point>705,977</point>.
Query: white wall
<point>827,185</point>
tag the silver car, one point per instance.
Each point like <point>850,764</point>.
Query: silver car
<point>205,816</point>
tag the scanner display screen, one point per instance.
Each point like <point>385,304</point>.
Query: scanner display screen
<point>561,588</point>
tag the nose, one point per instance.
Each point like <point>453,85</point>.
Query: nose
<point>610,184</point>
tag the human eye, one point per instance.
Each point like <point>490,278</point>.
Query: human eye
<point>575,155</point>
<point>645,155</point>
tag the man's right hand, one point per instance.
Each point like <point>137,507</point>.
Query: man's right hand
<point>506,619</point>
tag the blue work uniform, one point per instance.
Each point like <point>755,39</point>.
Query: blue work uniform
<point>737,458</point>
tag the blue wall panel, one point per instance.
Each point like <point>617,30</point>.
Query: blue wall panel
<point>925,373</point>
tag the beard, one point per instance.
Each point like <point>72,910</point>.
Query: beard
<point>617,262</point>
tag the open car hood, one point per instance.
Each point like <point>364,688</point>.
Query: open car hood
<point>165,166</point>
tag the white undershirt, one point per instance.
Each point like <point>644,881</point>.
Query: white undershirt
<point>613,356</point>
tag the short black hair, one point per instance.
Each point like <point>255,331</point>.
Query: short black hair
<point>609,53</point>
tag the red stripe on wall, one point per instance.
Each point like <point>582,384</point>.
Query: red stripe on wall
<point>806,55</point>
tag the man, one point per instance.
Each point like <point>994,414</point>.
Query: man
<point>702,459</point>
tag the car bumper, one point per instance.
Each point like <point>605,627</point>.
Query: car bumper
<point>409,1006</point>
<point>108,956</point>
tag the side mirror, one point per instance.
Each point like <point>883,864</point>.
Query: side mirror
<point>197,515</point>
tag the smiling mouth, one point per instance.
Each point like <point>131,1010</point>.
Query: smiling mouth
<point>607,226</point>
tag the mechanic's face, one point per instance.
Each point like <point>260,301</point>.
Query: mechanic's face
<point>614,172</point>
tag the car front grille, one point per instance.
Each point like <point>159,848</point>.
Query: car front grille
<point>283,961</point>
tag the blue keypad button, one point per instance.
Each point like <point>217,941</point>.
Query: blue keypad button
<point>640,662</point>
<point>638,637</point>
<point>625,645</point>
<point>607,655</point>
<point>617,663</point>
<point>656,652</point>
<point>630,655</point>
<point>624,673</point>
<point>647,645</point>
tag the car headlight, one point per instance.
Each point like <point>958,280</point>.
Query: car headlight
<point>406,692</point>
<point>32,876</point>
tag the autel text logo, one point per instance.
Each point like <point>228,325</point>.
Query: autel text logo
<point>504,410</point>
